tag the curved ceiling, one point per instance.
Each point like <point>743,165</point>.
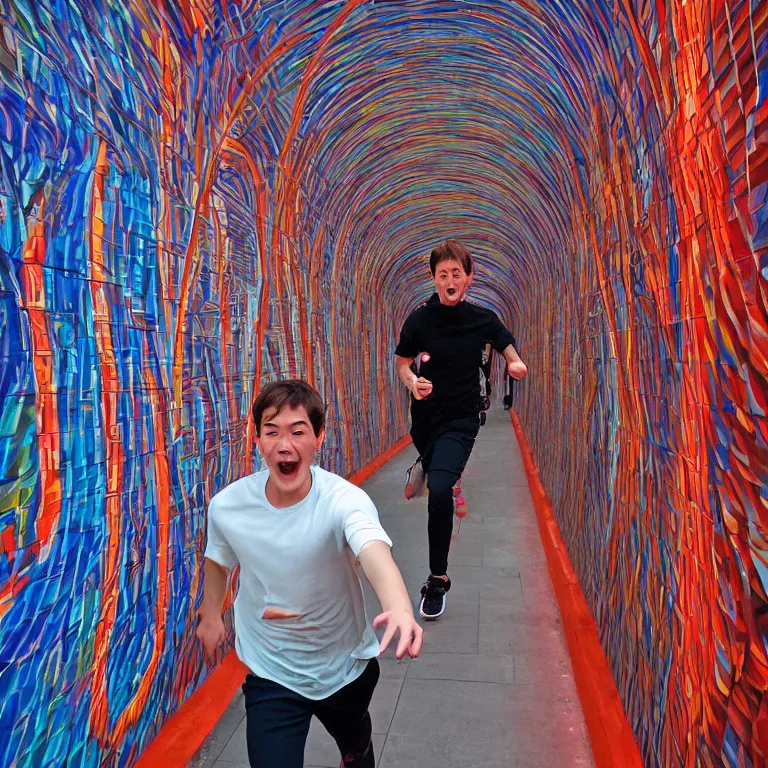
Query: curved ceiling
<point>461,123</point>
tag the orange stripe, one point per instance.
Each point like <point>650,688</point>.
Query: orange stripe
<point>286,192</point>
<point>48,437</point>
<point>238,150</point>
<point>184,732</point>
<point>110,385</point>
<point>202,201</point>
<point>10,590</point>
<point>100,714</point>
<point>363,474</point>
<point>220,247</point>
<point>613,743</point>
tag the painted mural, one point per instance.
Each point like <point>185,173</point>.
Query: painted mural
<point>199,197</point>
<point>656,366</point>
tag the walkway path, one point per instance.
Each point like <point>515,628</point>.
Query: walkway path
<point>493,687</point>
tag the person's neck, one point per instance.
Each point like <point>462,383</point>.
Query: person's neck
<point>282,499</point>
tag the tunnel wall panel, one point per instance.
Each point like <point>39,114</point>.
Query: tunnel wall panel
<point>150,280</point>
<point>656,369</point>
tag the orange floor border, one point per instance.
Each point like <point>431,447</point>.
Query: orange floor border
<point>363,474</point>
<point>184,732</point>
<point>613,743</point>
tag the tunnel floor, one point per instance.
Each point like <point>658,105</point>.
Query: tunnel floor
<point>493,686</point>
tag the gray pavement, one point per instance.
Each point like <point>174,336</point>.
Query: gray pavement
<point>493,687</point>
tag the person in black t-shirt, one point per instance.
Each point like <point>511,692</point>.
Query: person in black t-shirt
<point>449,334</point>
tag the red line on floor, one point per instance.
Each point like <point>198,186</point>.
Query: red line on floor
<point>186,730</point>
<point>613,743</point>
<point>359,477</point>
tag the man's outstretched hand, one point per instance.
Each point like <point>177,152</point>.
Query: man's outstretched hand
<point>411,633</point>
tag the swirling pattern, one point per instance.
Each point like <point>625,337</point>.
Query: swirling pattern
<point>197,197</point>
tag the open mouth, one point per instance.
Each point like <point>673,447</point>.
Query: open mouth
<point>452,291</point>
<point>288,468</point>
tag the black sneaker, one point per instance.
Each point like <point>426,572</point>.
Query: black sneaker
<point>361,760</point>
<point>432,603</point>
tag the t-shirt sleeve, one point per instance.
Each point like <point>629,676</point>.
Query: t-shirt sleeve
<point>410,343</point>
<point>360,521</point>
<point>499,336</point>
<point>217,547</point>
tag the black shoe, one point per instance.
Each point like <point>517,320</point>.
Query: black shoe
<point>361,760</point>
<point>432,603</point>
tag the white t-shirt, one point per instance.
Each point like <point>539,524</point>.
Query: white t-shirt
<point>301,559</point>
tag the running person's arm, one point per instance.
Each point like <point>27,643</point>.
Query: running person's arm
<point>419,386</point>
<point>387,582</point>
<point>503,342</point>
<point>211,630</point>
<point>409,346</point>
<point>219,559</point>
<point>516,367</point>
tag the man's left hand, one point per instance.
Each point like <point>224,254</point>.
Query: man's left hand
<point>517,369</point>
<point>411,633</point>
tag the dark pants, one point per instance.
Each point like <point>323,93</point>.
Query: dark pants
<point>278,721</point>
<point>444,462</point>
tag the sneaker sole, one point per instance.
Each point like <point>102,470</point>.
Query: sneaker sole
<point>431,616</point>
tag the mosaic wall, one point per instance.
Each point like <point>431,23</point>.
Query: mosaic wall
<point>656,365</point>
<point>197,197</point>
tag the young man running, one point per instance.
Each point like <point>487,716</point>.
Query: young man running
<point>298,533</point>
<point>445,402</point>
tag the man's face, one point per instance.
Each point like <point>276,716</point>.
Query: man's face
<point>288,444</point>
<point>451,282</point>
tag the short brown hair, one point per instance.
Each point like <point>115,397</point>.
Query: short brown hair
<point>448,250</point>
<point>294,393</point>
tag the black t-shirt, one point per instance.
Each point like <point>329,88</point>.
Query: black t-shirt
<point>455,338</point>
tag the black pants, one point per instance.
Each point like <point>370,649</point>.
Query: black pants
<point>278,721</point>
<point>444,462</point>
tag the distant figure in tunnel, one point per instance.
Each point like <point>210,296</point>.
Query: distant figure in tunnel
<point>298,534</point>
<point>449,335</point>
